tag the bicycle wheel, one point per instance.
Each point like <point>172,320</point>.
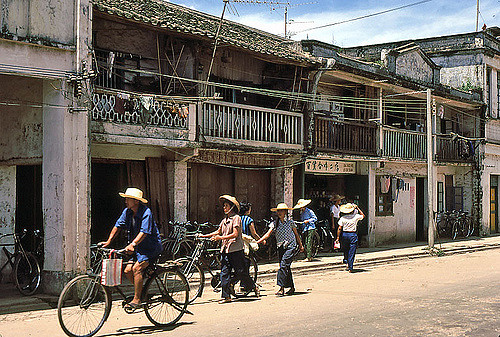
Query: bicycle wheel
<point>166,296</point>
<point>469,226</point>
<point>315,244</point>
<point>185,249</point>
<point>27,273</point>
<point>83,307</point>
<point>194,275</point>
<point>454,230</point>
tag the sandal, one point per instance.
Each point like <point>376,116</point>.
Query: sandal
<point>290,292</point>
<point>132,307</point>
<point>280,293</point>
<point>257,291</point>
<point>225,300</point>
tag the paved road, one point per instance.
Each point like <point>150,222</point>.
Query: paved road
<point>455,295</point>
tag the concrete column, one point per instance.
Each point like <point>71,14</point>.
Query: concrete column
<point>371,203</point>
<point>282,181</point>
<point>65,187</point>
<point>7,207</point>
<point>178,189</point>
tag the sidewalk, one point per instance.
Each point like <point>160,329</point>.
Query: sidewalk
<point>11,301</point>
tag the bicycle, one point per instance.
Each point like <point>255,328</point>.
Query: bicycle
<point>453,224</point>
<point>326,238</point>
<point>268,251</point>
<point>207,257</point>
<point>25,267</point>
<point>178,244</point>
<point>315,244</point>
<point>85,303</point>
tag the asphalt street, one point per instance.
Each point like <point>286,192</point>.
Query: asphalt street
<point>457,295</point>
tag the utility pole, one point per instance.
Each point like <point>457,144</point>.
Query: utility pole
<point>430,171</point>
<point>477,15</point>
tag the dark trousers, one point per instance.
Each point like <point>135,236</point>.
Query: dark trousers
<point>285,256</point>
<point>349,242</point>
<point>234,261</point>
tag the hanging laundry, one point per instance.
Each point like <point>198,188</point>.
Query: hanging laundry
<point>385,184</point>
<point>147,105</point>
<point>394,189</point>
<point>119,105</point>
<point>184,111</point>
<point>110,63</point>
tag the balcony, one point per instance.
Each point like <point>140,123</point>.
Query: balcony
<point>345,137</point>
<point>449,149</point>
<point>222,122</point>
<point>404,144</point>
<point>149,119</point>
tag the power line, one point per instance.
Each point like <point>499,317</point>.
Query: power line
<point>363,17</point>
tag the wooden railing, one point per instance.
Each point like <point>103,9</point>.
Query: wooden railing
<point>455,150</point>
<point>249,123</point>
<point>404,144</point>
<point>345,137</point>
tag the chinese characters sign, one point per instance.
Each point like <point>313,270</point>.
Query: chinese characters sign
<point>330,166</point>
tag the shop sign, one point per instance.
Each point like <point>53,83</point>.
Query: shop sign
<point>319,166</point>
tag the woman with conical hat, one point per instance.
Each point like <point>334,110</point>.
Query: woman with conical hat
<point>348,226</point>
<point>288,242</point>
<point>309,219</point>
<point>143,237</point>
<point>232,255</point>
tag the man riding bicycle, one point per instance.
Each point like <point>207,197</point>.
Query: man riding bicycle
<point>143,240</point>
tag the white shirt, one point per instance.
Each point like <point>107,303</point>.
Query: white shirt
<point>349,222</point>
<point>335,210</point>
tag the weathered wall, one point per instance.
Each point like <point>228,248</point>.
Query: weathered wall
<point>400,227</point>
<point>491,166</point>
<point>462,177</point>
<point>21,127</point>
<point>7,207</point>
<point>412,65</point>
<point>463,77</point>
<point>38,20</point>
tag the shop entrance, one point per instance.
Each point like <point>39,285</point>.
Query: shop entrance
<point>319,188</point>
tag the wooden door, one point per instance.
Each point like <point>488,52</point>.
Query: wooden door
<point>158,192</point>
<point>207,183</point>
<point>493,209</point>
<point>254,187</point>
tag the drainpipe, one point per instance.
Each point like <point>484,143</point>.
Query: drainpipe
<point>430,172</point>
<point>78,4</point>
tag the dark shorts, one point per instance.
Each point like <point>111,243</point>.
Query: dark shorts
<point>148,255</point>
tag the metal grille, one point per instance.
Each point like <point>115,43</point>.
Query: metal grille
<point>160,113</point>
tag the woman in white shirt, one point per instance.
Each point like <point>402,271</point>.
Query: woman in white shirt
<point>348,225</point>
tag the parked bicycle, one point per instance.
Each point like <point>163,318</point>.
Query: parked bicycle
<point>26,270</point>
<point>453,224</point>
<point>179,242</point>
<point>269,251</point>
<point>326,238</point>
<point>206,257</point>
<point>85,303</point>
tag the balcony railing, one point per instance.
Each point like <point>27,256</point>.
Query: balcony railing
<point>404,144</point>
<point>346,137</point>
<point>250,124</point>
<point>137,110</point>
<point>454,150</point>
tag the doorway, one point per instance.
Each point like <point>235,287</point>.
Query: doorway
<point>420,209</point>
<point>493,204</point>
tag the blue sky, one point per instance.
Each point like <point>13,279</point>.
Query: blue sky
<point>434,18</point>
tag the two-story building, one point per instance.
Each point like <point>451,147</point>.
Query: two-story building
<point>44,151</point>
<point>470,62</point>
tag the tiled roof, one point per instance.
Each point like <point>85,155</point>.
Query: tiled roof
<point>185,20</point>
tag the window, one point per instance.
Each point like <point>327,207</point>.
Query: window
<point>383,203</point>
<point>440,196</point>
